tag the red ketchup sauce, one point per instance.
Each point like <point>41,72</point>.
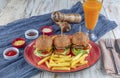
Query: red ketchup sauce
<point>11,53</point>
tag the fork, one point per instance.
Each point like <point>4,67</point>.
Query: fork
<point>109,46</point>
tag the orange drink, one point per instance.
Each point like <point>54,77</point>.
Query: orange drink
<point>91,11</point>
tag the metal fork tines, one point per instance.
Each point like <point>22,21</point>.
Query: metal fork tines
<point>109,46</point>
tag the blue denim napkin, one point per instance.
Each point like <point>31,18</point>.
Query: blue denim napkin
<point>19,68</point>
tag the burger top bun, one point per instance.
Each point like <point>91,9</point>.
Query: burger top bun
<point>43,42</point>
<point>80,39</point>
<point>62,41</point>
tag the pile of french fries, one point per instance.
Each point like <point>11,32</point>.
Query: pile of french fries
<point>64,62</point>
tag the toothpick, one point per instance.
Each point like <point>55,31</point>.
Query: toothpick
<point>61,31</point>
<point>43,35</point>
<point>80,28</point>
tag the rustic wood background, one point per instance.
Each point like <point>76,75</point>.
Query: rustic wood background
<point>11,10</point>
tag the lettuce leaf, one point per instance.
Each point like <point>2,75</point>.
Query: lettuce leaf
<point>38,52</point>
<point>77,51</point>
<point>65,51</point>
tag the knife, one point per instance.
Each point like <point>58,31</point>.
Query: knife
<point>117,48</point>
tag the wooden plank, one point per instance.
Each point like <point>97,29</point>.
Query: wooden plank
<point>80,74</point>
<point>63,4</point>
<point>100,72</point>
<point>62,75</point>
<point>45,7</point>
<point>36,76</point>
<point>29,8</point>
<point>11,11</point>
<point>56,5</point>
<point>41,75</point>
<point>72,75</point>
<point>47,75</point>
<point>38,7</point>
<point>72,2</point>
<point>114,14</point>
<point>109,34</point>
<point>3,3</point>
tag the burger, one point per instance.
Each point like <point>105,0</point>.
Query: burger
<point>62,44</point>
<point>43,46</point>
<point>80,43</point>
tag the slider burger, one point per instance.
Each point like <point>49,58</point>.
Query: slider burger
<point>80,43</point>
<point>43,46</point>
<point>62,45</point>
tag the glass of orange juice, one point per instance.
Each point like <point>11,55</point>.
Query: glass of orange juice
<point>91,12</point>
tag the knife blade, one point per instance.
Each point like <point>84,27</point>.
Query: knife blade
<point>117,48</point>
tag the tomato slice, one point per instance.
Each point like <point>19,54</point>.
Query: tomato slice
<point>45,52</point>
<point>87,47</point>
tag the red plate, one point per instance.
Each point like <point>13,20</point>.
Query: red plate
<point>92,58</point>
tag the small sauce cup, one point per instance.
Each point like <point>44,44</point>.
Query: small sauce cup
<point>19,42</point>
<point>11,53</point>
<point>31,34</point>
<point>47,30</point>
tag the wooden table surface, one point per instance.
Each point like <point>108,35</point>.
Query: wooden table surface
<point>11,10</point>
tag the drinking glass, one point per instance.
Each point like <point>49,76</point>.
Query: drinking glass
<point>91,12</point>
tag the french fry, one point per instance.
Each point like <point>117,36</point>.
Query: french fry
<point>61,68</point>
<point>51,61</point>
<point>58,59</point>
<point>76,57</point>
<point>72,57</point>
<point>43,60</point>
<point>62,60</point>
<point>60,64</point>
<point>83,58</point>
<point>62,56</point>
<point>77,60</point>
<point>68,59</point>
<point>54,55</point>
<point>76,65</point>
<point>84,62</point>
<point>73,66</point>
<point>46,62</point>
<point>79,64</point>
